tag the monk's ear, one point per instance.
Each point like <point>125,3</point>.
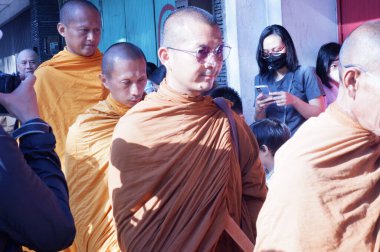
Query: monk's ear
<point>103,79</point>
<point>350,81</point>
<point>61,29</point>
<point>163,55</point>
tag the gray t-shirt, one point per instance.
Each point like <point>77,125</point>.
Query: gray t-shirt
<point>303,83</point>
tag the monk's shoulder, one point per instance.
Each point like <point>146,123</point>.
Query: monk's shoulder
<point>44,71</point>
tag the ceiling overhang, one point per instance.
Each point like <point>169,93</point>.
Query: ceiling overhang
<point>11,8</point>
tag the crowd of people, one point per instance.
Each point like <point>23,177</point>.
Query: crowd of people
<point>117,154</point>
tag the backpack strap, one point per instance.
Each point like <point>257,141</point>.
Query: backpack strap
<point>224,106</point>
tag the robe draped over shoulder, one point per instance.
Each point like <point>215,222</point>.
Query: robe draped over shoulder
<point>175,176</point>
<point>87,154</point>
<point>66,86</point>
<point>324,194</point>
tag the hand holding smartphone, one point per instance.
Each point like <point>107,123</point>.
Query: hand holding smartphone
<point>263,89</point>
<point>265,98</point>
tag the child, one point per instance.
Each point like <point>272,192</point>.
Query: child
<point>270,135</point>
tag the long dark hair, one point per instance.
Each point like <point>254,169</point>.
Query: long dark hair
<point>291,55</point>
<point>326,55</point>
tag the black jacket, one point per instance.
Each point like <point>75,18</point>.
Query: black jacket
<point>34,205</point>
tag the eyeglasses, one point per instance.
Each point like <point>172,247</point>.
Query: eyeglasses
<point>221,52</point>
<point>356,66</point>
<point>277,52</point>
<point>361,68</point>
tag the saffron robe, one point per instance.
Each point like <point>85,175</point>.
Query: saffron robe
<point>87,154</point>
<point>66,86</point>
<point>175,176</point>
<point>325,191</point>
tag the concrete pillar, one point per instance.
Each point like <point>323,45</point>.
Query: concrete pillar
<point>245,19</point>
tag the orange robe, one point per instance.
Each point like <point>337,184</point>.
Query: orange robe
<point>86,158</point>
<point>66,86</point>
<point>175,176</point>
<point>325,192</point>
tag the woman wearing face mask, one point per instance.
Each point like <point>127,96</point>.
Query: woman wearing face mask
<point>327,70</point>
<point>296,92</point>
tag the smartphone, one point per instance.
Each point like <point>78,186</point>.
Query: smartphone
<point>263,89</point>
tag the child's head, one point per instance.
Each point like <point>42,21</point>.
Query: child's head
<point>270,135</point>
<point>229,94</point>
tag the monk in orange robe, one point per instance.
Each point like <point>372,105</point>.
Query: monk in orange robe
<point>325,193</point>
<point>69,83</point>
<point>177,182</point>
<point>88,147</point>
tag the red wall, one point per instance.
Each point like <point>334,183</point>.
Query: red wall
<point>352,13</point>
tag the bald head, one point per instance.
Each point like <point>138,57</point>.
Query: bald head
<point>67,12</point>
<point>26,53</point>
<point>175,22</point>
<point>26,62</point>
<point>362,46</point>
<point>123,50</point>
<point>359,91</point>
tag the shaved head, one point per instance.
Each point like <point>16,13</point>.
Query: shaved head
<point>175,22</point>
<point>67,12</point>
<point>362,46</point>
<point>359,70</point>
<point>123,50</point>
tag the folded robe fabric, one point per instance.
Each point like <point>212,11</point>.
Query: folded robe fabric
<point>86,164</point>
<point>325,193</point>
<point>66,86</point>
<point>174,175</point>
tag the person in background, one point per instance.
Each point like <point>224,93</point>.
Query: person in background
<point>158,76</point>
<point>296,92</point>
<point>69,83</point>
<point>270,134</point>
<point>150,67</point>
<point>34,206</point>
<point>231,95</point>
<point>88,147</point>
<point>26,62</point>
<point>327,70</point>
<point>155,78</point>
<point>325,194</point>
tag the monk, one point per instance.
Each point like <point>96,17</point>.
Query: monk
<point>88,147</point>
<point>325,192</point>
<point>68,84</point>
<point>176,180</point>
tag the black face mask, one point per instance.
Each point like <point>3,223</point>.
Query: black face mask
<point>276,62</point>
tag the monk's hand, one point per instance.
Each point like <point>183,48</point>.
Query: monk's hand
<point>22,102</point>
<point>283,98</point>
<point>263,101</point>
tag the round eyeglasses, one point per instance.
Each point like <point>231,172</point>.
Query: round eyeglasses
<point>221,52</point>
<point>276,52</point>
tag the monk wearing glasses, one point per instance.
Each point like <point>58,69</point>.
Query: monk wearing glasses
<point>178,180</point>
